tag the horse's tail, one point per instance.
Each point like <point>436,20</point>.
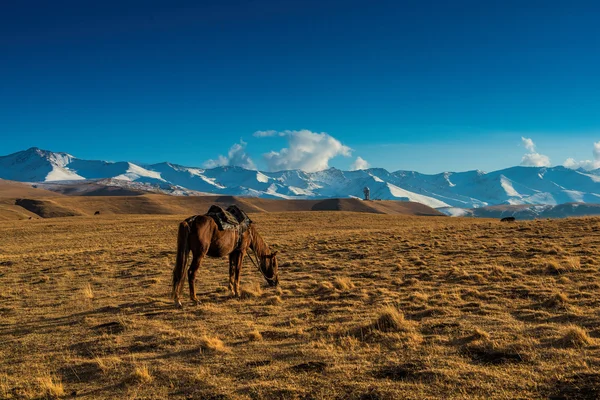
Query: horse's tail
<point>183,249</point>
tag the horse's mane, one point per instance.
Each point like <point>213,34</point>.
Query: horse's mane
<point>257,243</point>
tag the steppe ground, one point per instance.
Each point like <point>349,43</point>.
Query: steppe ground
<point>370,307</point>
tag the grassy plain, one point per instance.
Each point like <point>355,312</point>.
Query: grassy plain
<point>370,306</point>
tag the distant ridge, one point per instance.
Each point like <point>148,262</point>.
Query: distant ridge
<point>65,173</point>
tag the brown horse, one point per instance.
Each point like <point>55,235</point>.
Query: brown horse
<point>201,235</point>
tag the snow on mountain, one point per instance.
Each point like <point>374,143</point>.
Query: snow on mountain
<point>35,165</point>
<point>454,190</point>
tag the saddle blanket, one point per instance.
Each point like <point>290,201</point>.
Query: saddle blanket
<point>232,218</point>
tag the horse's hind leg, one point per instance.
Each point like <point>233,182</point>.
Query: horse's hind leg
<point>192,276</point>
<point>232,274</point>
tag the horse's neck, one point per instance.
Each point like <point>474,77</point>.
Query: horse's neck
<point>258,244</point>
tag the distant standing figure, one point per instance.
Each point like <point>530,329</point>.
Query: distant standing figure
<point>367,193</point>
<point>508,219</point>
<point>97,213</point>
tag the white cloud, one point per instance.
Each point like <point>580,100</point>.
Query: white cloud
<point>533,159</point>
<point>308,151</point>
<point>359,163</point>
<point>585,164</point>
<point>260,134</point>
<point>236,156</point>
<point>528,144</point>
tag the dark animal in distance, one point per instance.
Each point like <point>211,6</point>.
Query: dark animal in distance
<point>508,219</point>
<point>97,213</point>
<point>200,234</point>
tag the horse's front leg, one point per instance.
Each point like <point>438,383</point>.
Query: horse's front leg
<point>192,277</point>
<point>238,272</point>
<point>232,273</point>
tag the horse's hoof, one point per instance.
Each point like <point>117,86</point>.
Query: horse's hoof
<point>195,302</point>
<point>178,304</point>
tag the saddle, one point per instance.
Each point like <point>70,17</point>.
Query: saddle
<point>231,218</point>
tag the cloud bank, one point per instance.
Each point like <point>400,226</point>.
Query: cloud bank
<point>306,150</point>
<point>236,157</point>
<point>586,164</point>
<point>533,158</point>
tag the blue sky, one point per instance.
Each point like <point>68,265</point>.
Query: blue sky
<point>421,85</point>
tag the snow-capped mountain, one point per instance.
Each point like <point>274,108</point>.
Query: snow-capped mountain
<point>472,189</point>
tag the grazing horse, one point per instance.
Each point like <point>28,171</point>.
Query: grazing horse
<point>200,234</point>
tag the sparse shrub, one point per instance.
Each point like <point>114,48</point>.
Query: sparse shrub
<point>51,386</point>
<point>574,336</point>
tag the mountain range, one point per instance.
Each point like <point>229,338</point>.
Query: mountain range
<point>448,191</point>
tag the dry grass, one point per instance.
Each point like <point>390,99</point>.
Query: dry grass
<point>141,374</point>
<point>370,306</point>
<point>343,283</point>
<point>51,386</point>
<point>88,292</point>
<point>255,335</point>
<point>211,344</point>
<point>574,336</point>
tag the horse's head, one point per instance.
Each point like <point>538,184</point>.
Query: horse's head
<point>270,268</point>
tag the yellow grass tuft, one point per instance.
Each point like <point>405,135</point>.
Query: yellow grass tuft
<point>88,292</point>
<point>51,386</point>
<point>274,301</point>
<point>575,336</point>
<point>211,344</point>
<point>554,267</point>
<point>252,291</point>
<point>108,364</point>
<point>343,283</point>
<point>390,319</point>
<point>573,263</point>
<point>255,336</point>
<point>480,334</point>
<point>141,374</point>
<point>557,300</point>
